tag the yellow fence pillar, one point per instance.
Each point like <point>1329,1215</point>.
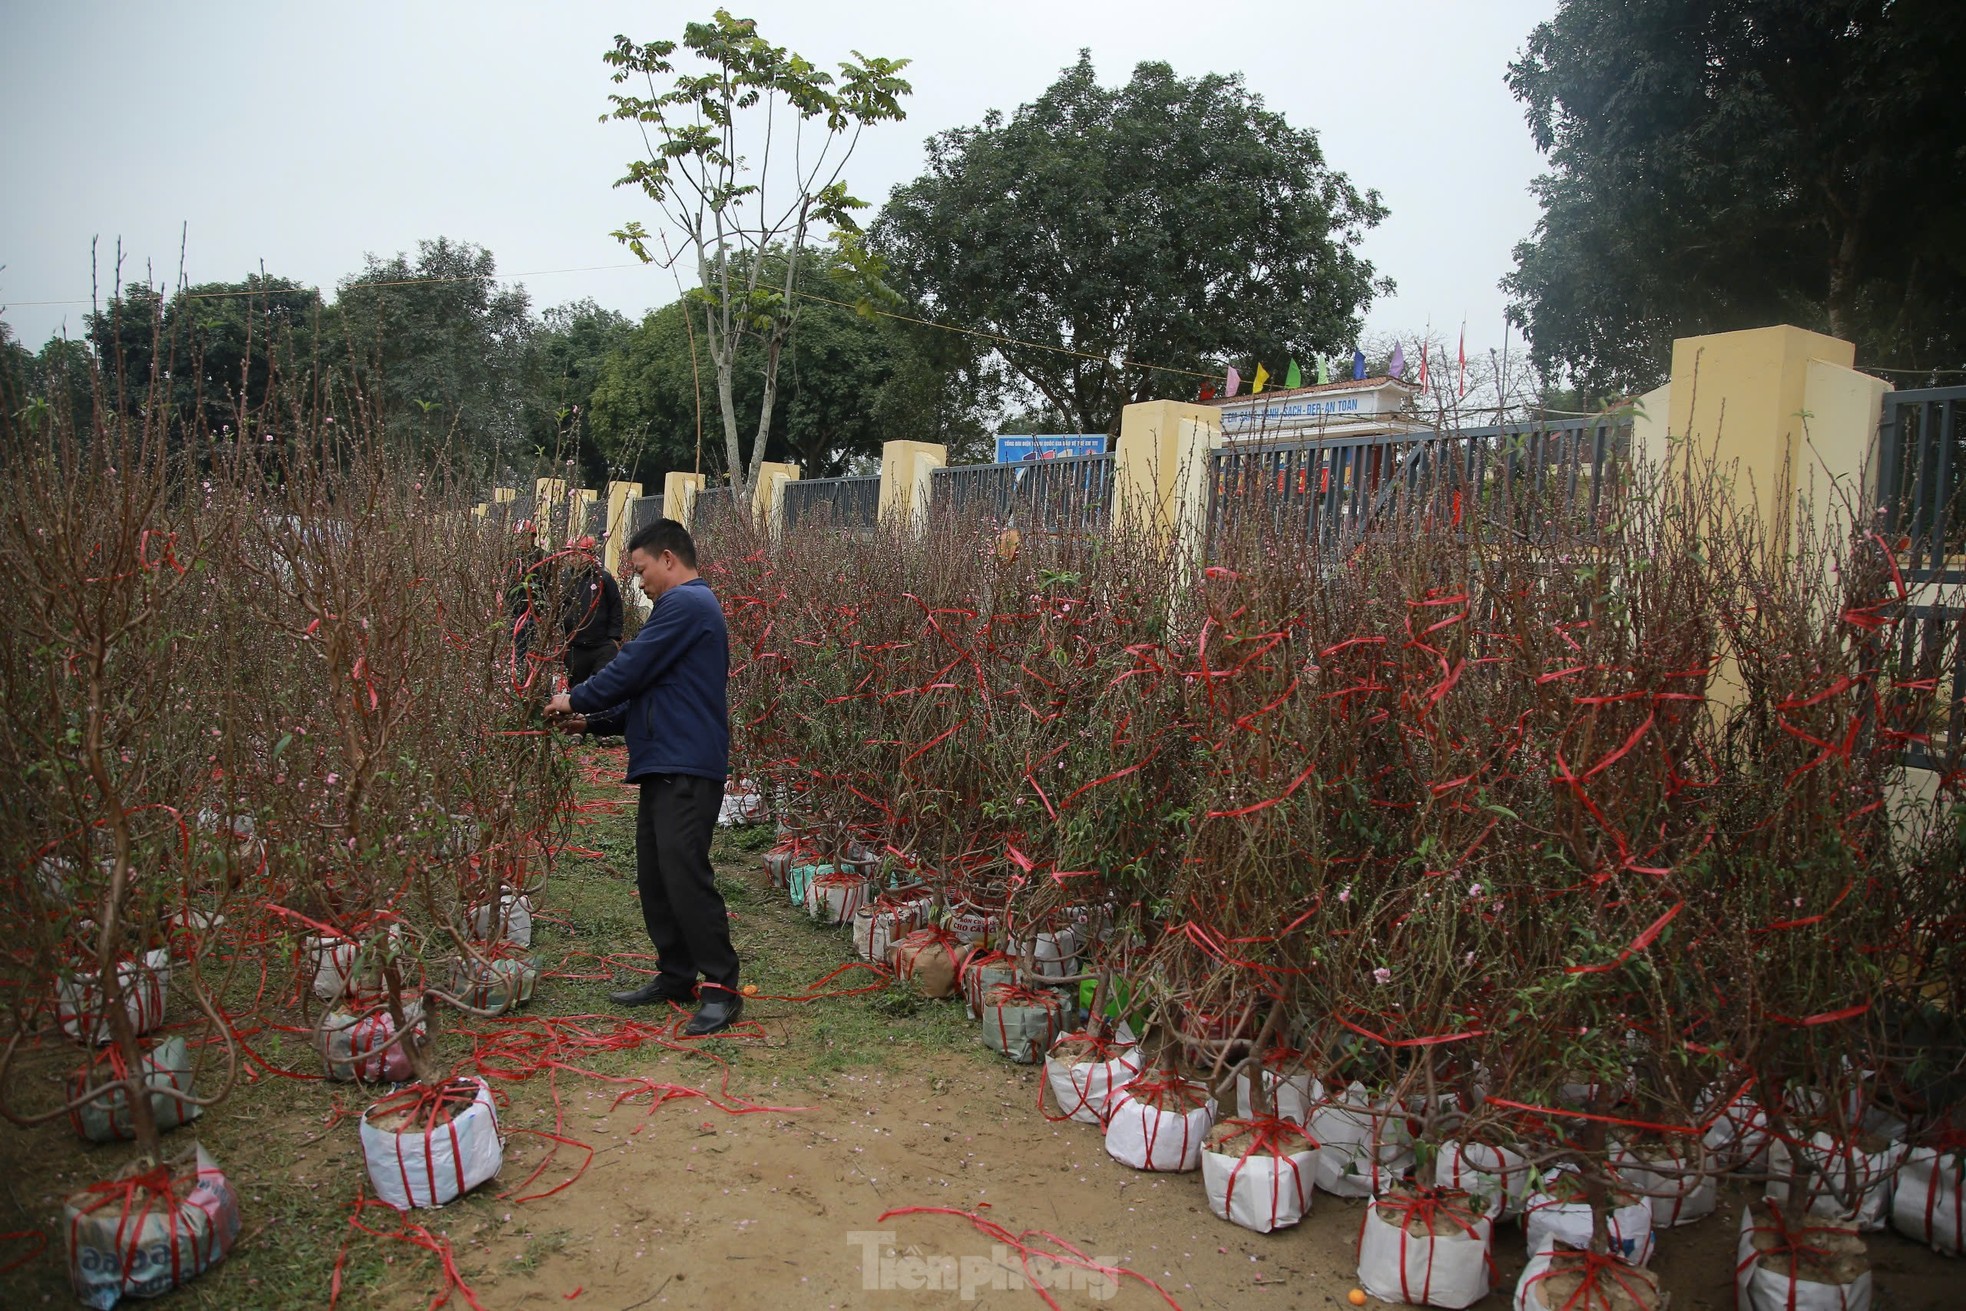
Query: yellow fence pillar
<point>579,501</point>
<point>619,522</point>
<point>679,491</point>
<point>1160,472</point>
<point>547,494</point>
<point>908,479</point>
<point>1783,411</point>
<point>768,497</point>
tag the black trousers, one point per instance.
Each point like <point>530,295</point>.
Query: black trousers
<point>584,661</point>
<point>684,912</point>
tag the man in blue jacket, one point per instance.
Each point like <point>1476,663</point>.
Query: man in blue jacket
<point>665,693</point>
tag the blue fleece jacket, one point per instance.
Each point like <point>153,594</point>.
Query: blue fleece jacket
<point>665,692</point>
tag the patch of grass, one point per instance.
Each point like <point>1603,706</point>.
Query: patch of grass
<point>297,1175</point>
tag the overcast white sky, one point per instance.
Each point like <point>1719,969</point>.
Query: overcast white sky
<point>303,136</point>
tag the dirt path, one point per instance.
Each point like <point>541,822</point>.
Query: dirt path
<point>884,1102</point>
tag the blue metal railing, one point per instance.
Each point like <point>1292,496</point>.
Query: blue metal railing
<point>1069,495</point>
<point>1932,645</point>
<point>1536,478</point>
<point>838,502</point>
<point>1920,470</point>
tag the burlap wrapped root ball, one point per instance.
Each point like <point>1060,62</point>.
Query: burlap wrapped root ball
<point>929,960</point>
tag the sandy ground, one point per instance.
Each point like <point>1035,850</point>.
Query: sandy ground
<point>686,1206</point>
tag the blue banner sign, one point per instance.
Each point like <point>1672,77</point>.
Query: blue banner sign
<point>1049,446</point>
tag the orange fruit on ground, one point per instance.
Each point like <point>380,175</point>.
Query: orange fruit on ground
<point>1356,1297</point>
<point>750,990</point>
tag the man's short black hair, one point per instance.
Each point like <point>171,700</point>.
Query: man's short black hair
<point>665,535</point>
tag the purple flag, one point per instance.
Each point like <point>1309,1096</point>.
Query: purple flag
<point>1397,369</point>
<point>1233,384</point>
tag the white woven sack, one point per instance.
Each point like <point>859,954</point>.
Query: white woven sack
<point>124,1245</point>
<point>1678,1191</point>
<point>1020,1028</point>
<point>1053,955</point>
<point>429,1169</point>
<point>1738,1138</point>
<point>1085,1089</point>
<point>1291,1095</point>
<point>1834,1174</point>
<point>1629,1227</point>
<point>1359,1152</point>
<point>108,1119</point>
<point>1148,1138</point>
<point>1259,1191</point>
<point>877,928</point>
<point>834,898</point>
<point>80,1001</point>
<point>1498,1175</point>
<point>357,1046</point>
<point>1757,1288</point>
<point>515,909</point>
<point>1927,1204</point>
<point>340,967</point>
<point>1529,1285</point>
<point>1449,1269</point>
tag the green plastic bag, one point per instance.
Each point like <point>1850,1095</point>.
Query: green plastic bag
<point>1119,1002</point>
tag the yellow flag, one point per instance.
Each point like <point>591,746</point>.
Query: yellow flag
<point>1262,376</point>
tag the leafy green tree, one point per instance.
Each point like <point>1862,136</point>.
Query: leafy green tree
<point>220,345</point>
<point>16,368</point>
<point>1723,164</point>
<point>570,348</point>
<point>746,221</point>
<point>848,381</point>
<point>446,351</point>
<point>1173,222</point>
<point>64,374</point>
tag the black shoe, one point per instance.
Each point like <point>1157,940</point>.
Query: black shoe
<point>718,1012</point>
<point>649,993</point>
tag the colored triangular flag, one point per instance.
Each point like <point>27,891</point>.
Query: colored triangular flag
<point>1208,391</point>
<point>1232,384</point>
<point>1464,359</point>
<point>1293,376</point>
<point>1323,371</point>
<point>1262,376</point>
<point>1423,364</point>
<point>1358,363</point>
<point>1396,367</point>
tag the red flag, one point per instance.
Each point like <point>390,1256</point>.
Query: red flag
<point>1208,391</point>
<point>1423,365</point>
<point>1464,360</point>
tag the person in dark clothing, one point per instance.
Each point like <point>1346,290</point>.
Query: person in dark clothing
<point>525,599</point>
<point>666,693</point>
<point>591,619</point>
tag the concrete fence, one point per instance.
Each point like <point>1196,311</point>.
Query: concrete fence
<point>1785,408</point>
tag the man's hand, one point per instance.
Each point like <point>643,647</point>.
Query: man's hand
<point>570,723</point>
<point>560,706</point>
